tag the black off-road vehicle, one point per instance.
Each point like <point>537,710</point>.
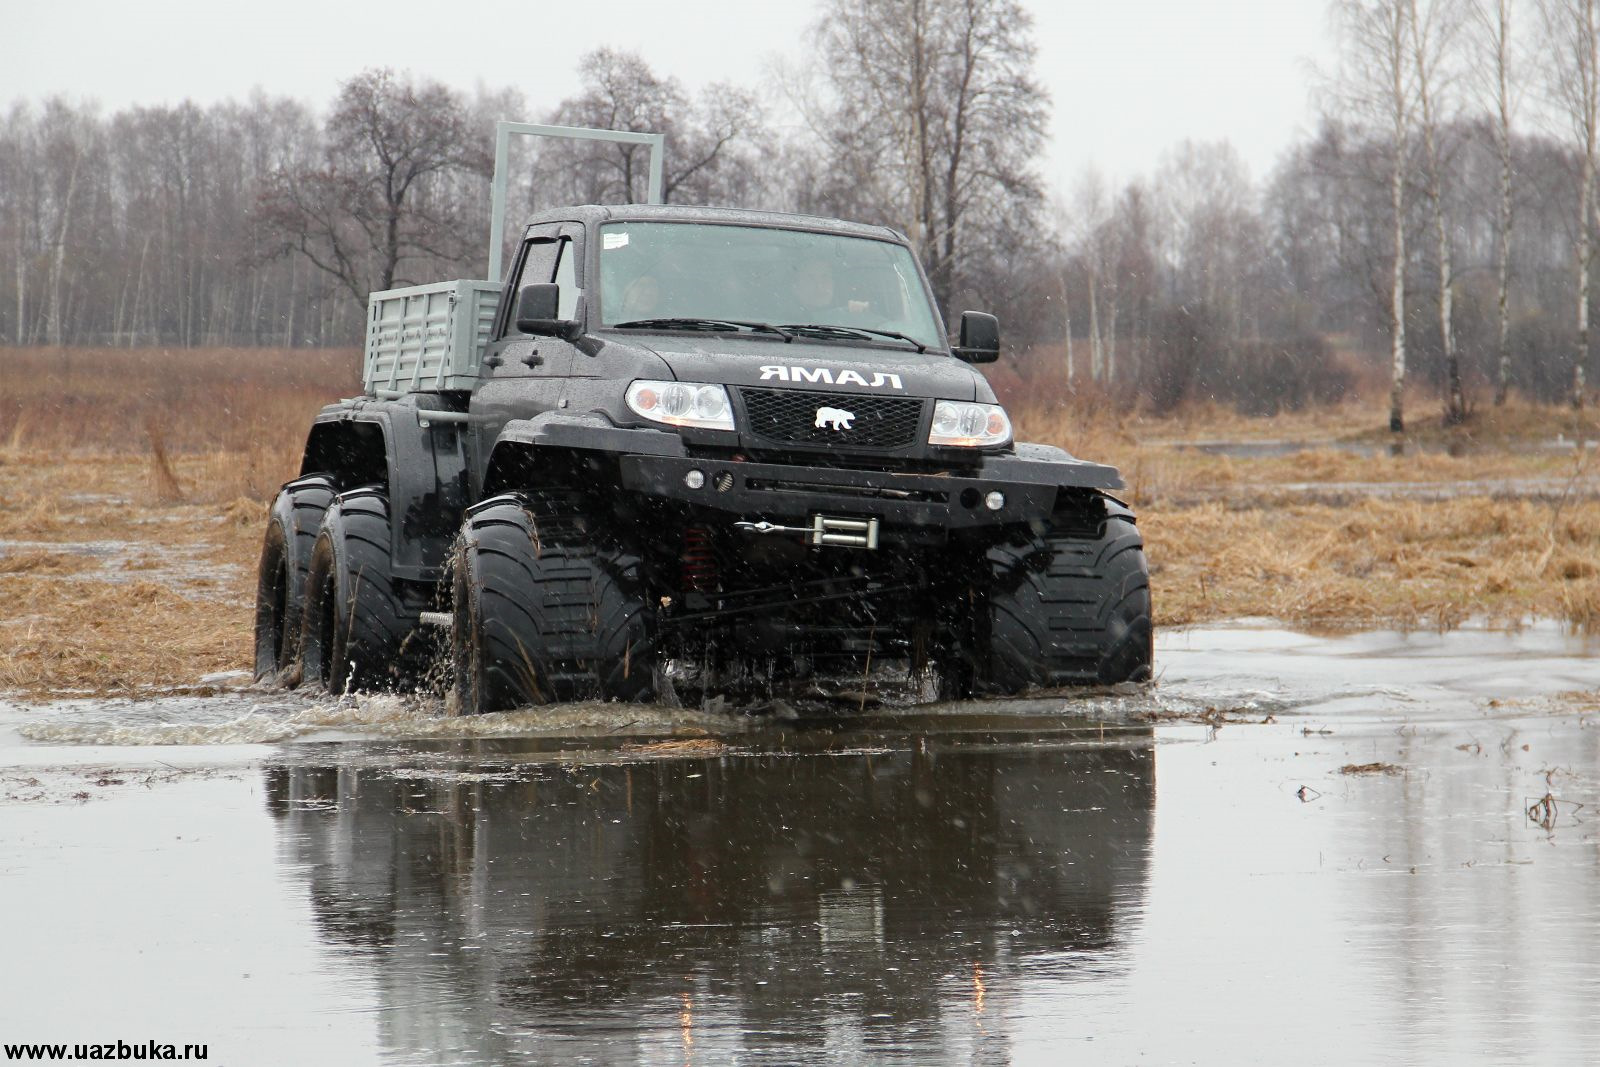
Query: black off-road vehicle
<point>691,447</point>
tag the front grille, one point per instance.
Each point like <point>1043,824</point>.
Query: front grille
<point>790,415</point>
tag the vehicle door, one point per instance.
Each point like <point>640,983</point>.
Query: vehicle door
<point>525,375</point>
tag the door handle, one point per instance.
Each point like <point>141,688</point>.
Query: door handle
<point>533,359</point>
<point>492,360</point>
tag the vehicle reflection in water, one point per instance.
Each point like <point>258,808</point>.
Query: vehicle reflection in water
<point>766,906</point>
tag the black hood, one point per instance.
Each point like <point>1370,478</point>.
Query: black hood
<point>823,367</point>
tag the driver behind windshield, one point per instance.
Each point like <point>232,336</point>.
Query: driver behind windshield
<point>744,274</point>
<point>813,285</point>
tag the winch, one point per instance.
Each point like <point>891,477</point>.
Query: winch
<point>824,530</point>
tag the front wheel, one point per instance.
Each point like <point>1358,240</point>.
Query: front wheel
<point>544,610</point>
<point>1069,603</point>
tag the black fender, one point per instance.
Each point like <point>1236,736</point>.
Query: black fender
<point>561,449</point>
<point>1049,465</point>
<point>415,447</point>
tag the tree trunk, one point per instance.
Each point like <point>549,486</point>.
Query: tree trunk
<point>1397,304</point>
<point>22,279</point>
<point>138,294</point>
<point>1456,407</point>
<point>1111,344</point>
<point>58,263</point>
<point>1397,203</point>
<point>1503,143</point>
<point>1424,55</point>
<point>1097,358</point>
<point>1581,352</point>
<point>294,299</point>
<point>1069,352</point>
<point>1588,90</point>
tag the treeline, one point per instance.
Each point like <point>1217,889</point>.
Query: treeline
<point>1429,228</point>
<point>262,223</point>
<point>1195,281</point>
<point>1438,225</point>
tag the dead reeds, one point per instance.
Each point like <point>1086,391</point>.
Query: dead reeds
<point>150,449</point>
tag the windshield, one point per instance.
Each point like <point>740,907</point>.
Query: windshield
<point>750,274</point>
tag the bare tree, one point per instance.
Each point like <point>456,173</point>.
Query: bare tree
<point>67,139</point>
<point>932,123</point>
<point>1379,83</point>
<point>1063,264</point>
<point>1572,37</point>
<point>1212,225</point>
<point>20,198</point>
<point>1432,33</point>
<point>378,199</point>
<point>1492,22</point>
<point>708,141</point>
<point>1086,221</point>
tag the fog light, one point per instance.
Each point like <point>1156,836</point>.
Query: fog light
<point>995,501</point>
<point>724,481</point>
<point>694,479</point>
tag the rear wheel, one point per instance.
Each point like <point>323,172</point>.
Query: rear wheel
<point>361,626</point>
<point>1069,602</point>
<point>544,610</point>
<point>281,577</point>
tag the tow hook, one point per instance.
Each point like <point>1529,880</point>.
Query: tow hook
<point>824,530</point>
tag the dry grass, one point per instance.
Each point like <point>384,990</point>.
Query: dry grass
<point>1336,531</point>
<point>151,469</point>
<point>1360,769</point>
<point>1169,461</point>
<point>242,412</point>
<point>139,593</point>
<point>171,457</point>
<point>1405,563</point>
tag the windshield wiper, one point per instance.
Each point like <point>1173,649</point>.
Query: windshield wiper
<point>719,325</point>
<point>858,332</point>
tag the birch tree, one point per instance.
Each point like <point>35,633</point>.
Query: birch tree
<point>1491,21</point>
<point>1572,38</point>
<point>1379,84</point>
<point>1432,27</point>
<point>20,198</point>
<point>1090,216</point>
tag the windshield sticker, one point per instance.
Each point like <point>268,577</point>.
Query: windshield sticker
<point>825,376</point>
<point>611,239</point>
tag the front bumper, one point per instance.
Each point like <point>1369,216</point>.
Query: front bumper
<point>786,494</point>
<point>909,505</point>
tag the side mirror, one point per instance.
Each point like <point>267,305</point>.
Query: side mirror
<point>536,311</point>
<point>980,338</point>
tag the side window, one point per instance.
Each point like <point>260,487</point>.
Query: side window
<point>566,276</point>
<point>539,264</point>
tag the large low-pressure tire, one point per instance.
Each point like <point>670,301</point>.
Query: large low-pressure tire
<point>1069,603</point>
<point>360,630</point>
<point>544,610</point>
<point>281,577</point>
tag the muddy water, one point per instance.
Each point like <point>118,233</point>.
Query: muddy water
<point>1173,873</point>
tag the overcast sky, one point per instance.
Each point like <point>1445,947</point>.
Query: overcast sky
<point>1129,78</point>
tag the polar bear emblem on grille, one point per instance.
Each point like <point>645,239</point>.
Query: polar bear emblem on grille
<point>833,419</point>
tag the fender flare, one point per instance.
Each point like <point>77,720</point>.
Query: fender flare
<point>421,463</point>
<point>560,446</point>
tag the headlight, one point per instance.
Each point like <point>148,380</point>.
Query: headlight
<point>682,404</point>
<point>969,425</point>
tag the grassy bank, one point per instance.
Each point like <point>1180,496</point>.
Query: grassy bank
<point>134,485</point>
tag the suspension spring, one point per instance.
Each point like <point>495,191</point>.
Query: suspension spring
<point>699,560</point>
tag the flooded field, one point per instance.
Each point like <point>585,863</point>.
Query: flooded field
<point>1383,844</point>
